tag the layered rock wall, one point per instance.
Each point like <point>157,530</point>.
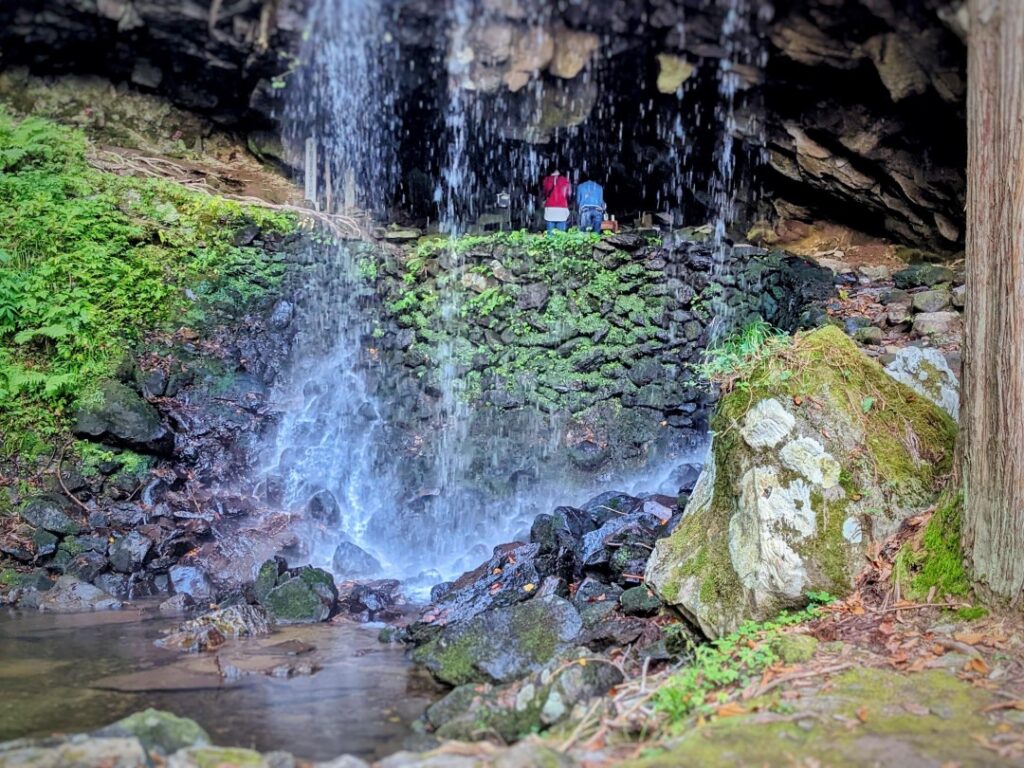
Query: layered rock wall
<point>859,105</point>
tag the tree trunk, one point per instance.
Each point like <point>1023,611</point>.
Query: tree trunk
<point>992,410</point>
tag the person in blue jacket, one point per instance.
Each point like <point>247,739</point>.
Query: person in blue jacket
<point>590,201</point>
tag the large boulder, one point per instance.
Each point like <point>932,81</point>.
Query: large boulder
<point>502,644</point>
<point>119,416</point>
<point>816,454</point>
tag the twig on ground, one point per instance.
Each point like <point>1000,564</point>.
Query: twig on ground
<point>60,479</point>
<point>750,692</point>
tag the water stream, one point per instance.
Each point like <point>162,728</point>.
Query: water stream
<point>77,673</point>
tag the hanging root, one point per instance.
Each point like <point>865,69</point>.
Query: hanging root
<point>126,163</point>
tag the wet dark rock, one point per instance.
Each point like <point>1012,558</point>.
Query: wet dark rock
<point>510,576</point>
<point>44,542</point>
<point>88,542</point>
<point>439,591</point>
<point>533,296</point>
<point>595,600</point>
<point>588,455</point>
<point>922,276</point>
<point>152,383</point>
<point>193,581</point>
<point>353,562</point>
<point>323,508</point>
<point>514,710</point>
<point>115,584</point>
<point>372,600</point>
<point>50,513</point>
<point>86,566</point>
<point>501,644</point>
<point>178,605</point>
<point>128,553</point>
<point>72,595</point>
<point>120,417</point>
<point>614,630</point>
<point>627,242</point>
<point>15,550</point>
<point>685,477</point>
<point>622,545</point>
<point>610,505</point>
<point>639,601</point>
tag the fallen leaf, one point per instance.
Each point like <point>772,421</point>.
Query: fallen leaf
<point>862,714</point>
<point>731,709</point>
<point>970,638</point>
<point>978,665</point>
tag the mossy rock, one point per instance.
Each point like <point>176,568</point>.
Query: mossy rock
<point>305,598</point>
<point>116,414</point>
<point>501,644</point>
<point>815,453</point>
<point>866,717</point>
<point>794,649</point>
<point>158,730</point>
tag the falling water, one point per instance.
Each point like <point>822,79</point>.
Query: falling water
<point>739,42</point>
<point>426,502</point>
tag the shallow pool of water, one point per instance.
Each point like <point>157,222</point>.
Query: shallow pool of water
<point>75,673</point>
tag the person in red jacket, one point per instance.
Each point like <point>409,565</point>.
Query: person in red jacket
<point>556,201</point>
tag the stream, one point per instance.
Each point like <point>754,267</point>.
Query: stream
<point>75,673</point>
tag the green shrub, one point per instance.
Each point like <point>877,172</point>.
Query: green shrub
<point>740,353</point>
<point>90,261</point>
<point>733,660</point>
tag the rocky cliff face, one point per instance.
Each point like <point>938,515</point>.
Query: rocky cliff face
<point>857,105</point>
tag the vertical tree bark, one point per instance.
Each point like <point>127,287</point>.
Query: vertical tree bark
<point>992,411</point>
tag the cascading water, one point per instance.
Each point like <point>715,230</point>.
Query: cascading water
<point>375,492</point>
<point>739,43</point>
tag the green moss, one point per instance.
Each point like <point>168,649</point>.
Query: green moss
<point>794,649</point>
<point>943,566</point>
<point>860,719</point>
<point>90,262</point>
<point>829,549</point>
<point>972,613</point>
<point>218,757</point>
<point>452,662</point>
<point>907,439</point>
<point>564,356</point>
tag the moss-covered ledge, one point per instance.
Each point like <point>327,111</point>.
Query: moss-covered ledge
<point>816,453</point>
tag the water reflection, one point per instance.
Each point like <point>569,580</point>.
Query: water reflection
<point>63,674</point>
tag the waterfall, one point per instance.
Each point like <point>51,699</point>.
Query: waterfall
<point>372,493</point>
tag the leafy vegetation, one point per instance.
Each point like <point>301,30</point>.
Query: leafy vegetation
<point>738,355</point>
<point>731,661</point>
<point>558,247</point>
<point>90,261</point>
